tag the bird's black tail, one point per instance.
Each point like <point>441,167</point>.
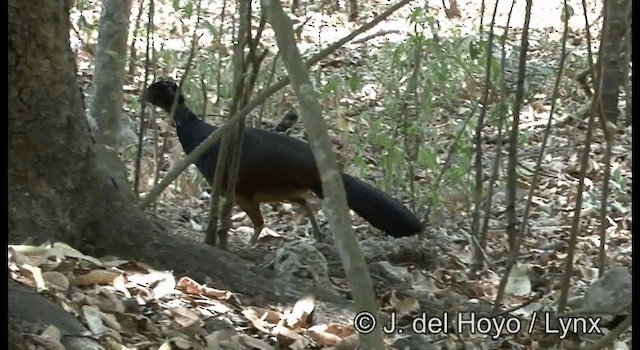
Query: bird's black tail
<point>380,210</point>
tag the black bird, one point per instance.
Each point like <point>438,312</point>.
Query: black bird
<point>275,167</point>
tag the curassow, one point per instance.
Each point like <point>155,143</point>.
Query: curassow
<point>275,167</point>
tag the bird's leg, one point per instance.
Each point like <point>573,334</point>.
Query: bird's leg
<point>252,208</point>
<point>317,232</point>
<point>256,233</point>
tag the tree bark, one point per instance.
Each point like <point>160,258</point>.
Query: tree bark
<point>108,76</point>
<point>55,184</point>
<point>335,199</point>
<point>615,25</point>
<point>63,186</point>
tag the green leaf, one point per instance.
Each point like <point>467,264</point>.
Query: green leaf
<point>165,346</point>
<point>212,29</point>
<point>474,50</point>
<point>330,86</point>
<point>427,159</point>
<point>355,84</point>
<point>188,9</point>
<point>415,14</point>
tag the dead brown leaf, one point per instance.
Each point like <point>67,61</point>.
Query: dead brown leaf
<point>93,319</point>
<point>302,313</point>
<point>453,11</point>
<point>321,335</point>
<point>404,305</point>
<point>266,314</point>
<point>56,280</point>
<point>184,317</point>
<point>95,277</point>
<point>190,286</point>
<point>34,274</point>
<point>253,343</point>
<point>258,321</point>
<point>285,336</point>
<point>108,302</point>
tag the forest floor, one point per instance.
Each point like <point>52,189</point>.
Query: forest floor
<point>134,304</point>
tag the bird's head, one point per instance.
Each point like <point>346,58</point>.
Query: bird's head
<point>162,93</point>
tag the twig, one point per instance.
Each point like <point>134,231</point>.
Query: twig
<point>132,49</point>
<point>377,34</point>
<point>615,333</point>
<point>147,64</point>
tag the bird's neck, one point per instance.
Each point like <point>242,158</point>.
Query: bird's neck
<point>183,115</point>
<point>190,129</point>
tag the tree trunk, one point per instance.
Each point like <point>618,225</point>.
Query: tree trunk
<point>63,186</point>
<point>353,10</point>
<point>108,75</point>
<point>335,198</point>
<point>614,29</point>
